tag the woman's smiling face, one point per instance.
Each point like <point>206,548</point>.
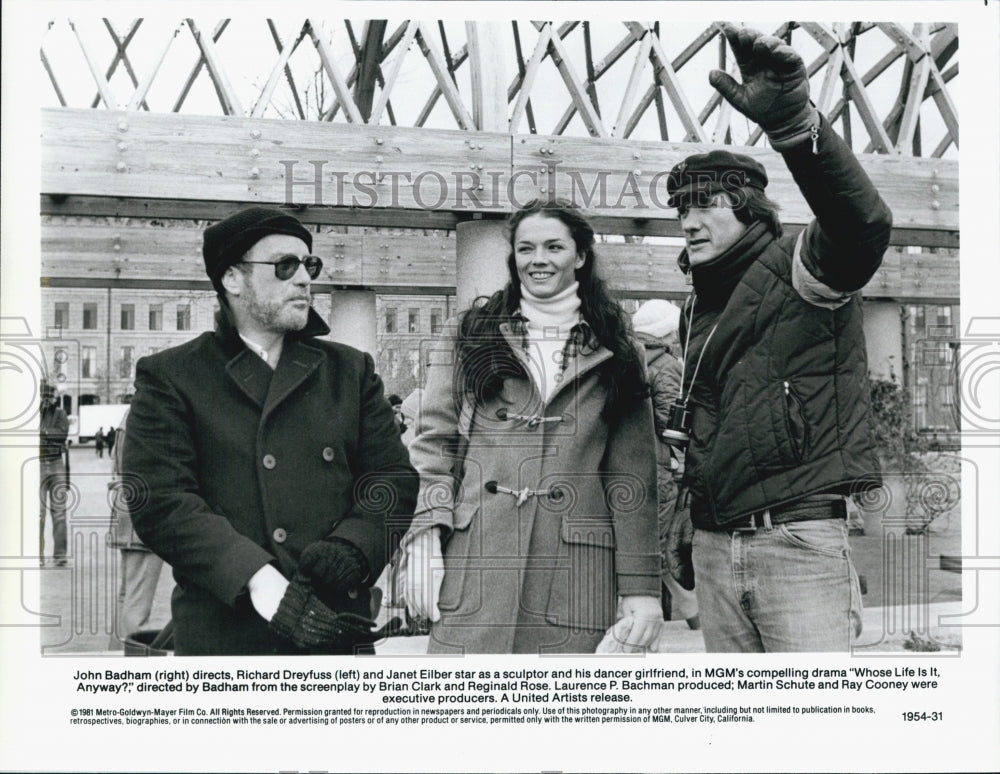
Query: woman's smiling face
<point>545,255</point>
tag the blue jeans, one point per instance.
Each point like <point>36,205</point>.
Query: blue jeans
<point>53,495</point>
<point>790,587</point>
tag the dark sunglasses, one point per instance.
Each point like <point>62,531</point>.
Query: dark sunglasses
<point>286,266</point>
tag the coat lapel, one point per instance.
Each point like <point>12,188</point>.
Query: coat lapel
<point>298,361</point>
<point>251,374</point>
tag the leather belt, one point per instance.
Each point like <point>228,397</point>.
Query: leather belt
<point>803,510</point>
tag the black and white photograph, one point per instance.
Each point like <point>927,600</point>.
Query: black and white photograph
<point>500,365</point>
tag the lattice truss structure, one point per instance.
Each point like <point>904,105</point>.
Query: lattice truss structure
<point>887,84</point>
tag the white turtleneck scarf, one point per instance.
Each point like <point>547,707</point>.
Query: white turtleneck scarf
<point>550,321</point>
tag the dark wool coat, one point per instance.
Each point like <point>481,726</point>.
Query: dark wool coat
<point>239,466</point>
<point>547,570</point>
<point>780,402</point>
<point>664,380</point>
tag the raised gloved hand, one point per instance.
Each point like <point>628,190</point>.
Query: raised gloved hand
<point>423,574</point>
<point>677,547</point>
<point>312,626</point>
<point>775,88</point>
<point>334,565</point>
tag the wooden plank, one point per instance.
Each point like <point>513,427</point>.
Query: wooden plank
<point>141,249</point>
<point>413,259</point>
<point>272,161</point>
<point>204,210</point>
<point>645,268</point>
<point>146,253</point>
<point>212,158</point>
<point>923,193</point>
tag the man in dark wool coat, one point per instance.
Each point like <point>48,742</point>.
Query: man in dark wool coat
<point>774,401</point>
<point>265,463</point>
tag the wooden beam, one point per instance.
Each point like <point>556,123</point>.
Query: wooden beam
<point>665,75</point>
<point>142,89</point>
<point>205,158</point>
<point>914,99</point>
<point>369,61</point>
<point>488,69</point>
<point>865,108</point>
<point>528,79</point>
<point>289,78</point>
<point>949,113</point>
<point>284,54</point>
<point>196,70</point>
<point>641,60</point>
<point>52,79</point>
<point>227,96</point>
<point>340,86</point>
<point>577,91</point>
<point>443,77</point>
<point>390,78</point>
<point>121,43</point>
<point>103,87</point>
<point>145,254</point>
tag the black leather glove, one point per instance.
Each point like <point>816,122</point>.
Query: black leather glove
<point>677,551</point>
<point>775,88</point>
<point>334,565</point>
<point>312,626</point>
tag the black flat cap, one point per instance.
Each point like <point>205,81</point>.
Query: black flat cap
<point>701,176</point>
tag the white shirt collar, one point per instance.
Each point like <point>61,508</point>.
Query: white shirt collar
<point>256,349</point>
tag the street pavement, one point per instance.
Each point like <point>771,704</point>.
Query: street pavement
<point>78,601</point>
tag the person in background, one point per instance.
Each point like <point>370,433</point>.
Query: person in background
<point>410,410</point>
<point>272,470</point>
<point>99,442</point>
<point>53,473</point>
<point>139,569</point>
<point>655,325</point>
<point>109,438</point>
<point>555,513</point>
<point>397,411</point>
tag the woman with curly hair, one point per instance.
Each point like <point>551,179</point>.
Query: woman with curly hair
<point>535,448</point>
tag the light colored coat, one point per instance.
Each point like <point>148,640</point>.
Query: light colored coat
<point>552,560</point>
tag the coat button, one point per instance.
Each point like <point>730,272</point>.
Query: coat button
<point>269,461</point>
<point>352,593</point>
<point>328,454</point>
<point>279,535</point>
